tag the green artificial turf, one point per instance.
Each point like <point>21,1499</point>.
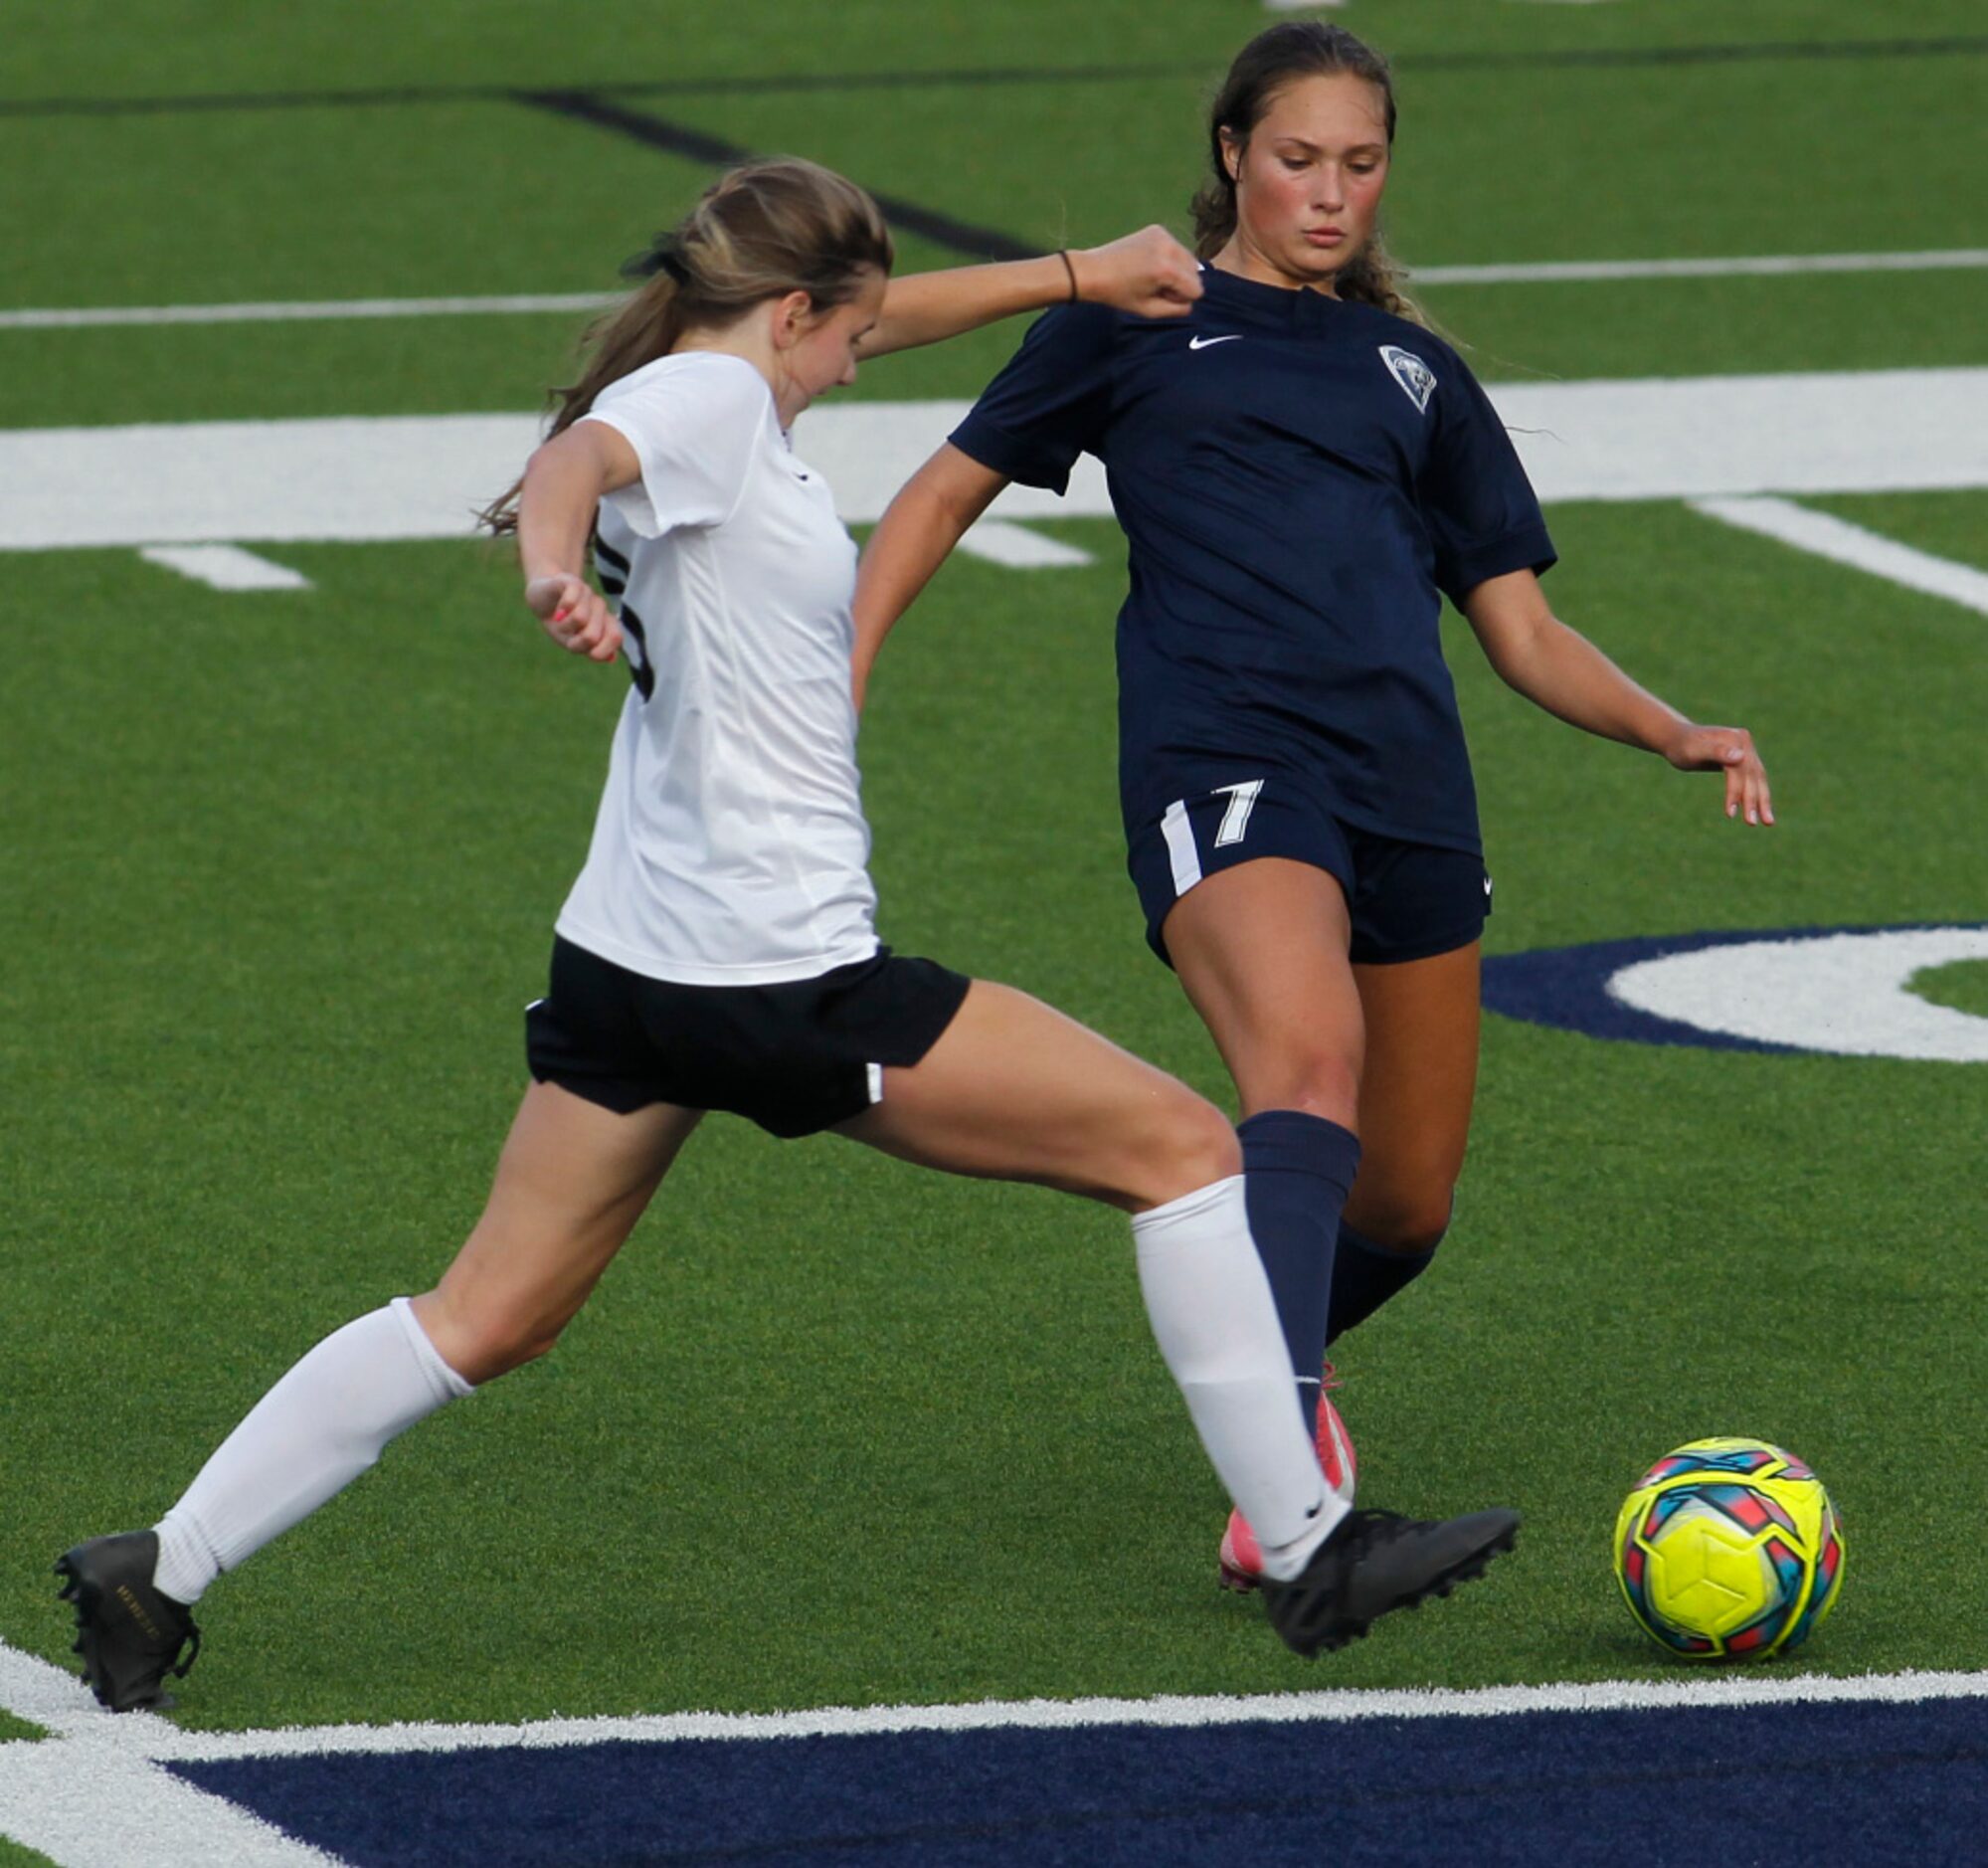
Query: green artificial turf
<point>1961,984</point>
<point>281,868</point>
<point>823,1405</point>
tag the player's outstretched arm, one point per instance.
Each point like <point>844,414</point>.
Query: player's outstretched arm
<point>1148,273</point>
<point>1559,669</point>
<point>563,486</point>
<point>912,540</point>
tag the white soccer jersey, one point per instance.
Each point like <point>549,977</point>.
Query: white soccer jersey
<point>730,847</point>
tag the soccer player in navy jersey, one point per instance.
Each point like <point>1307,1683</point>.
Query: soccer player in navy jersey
<point>1303,472</point>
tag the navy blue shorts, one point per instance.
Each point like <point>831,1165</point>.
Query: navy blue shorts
<point>795,1057</point>
<point>1408,901</point>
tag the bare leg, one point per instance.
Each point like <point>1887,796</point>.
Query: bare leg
<point>572,1181</point>
<point>1016,1091</point>
<point>1415,1096</point>
<point>1414,1112</point>
<point>1261,951</point>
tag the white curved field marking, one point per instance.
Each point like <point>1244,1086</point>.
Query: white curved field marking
<point>1845,994</point>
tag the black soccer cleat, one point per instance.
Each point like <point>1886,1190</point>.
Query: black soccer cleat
<point>128,1634</point>
<point>1376,1561</point>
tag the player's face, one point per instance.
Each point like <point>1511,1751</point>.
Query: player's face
<point>1309,181</point>
<point>825,352</point>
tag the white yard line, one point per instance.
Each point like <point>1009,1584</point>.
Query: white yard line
<point>1760,266</point>
<point>35,1690</point>
<point>1324,1708</point>
<point>95,1794</point>
<point>356,480</point>
<point>1002,542</point>
<point>90,317</point>
<point>1827,536</point>
<point>1519,272</point>
<point>225,567</point>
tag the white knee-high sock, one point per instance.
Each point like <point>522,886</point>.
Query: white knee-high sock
<point>305,1440</point>
<point>1211,1311</point>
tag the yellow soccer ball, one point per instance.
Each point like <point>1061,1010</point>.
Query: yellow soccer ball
<point>1728,1548</point>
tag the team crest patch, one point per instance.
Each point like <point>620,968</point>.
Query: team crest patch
<point>1412,373</point>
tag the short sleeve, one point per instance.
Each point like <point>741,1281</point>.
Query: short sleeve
<point>1049,404</point>
<point>1482,516</point>
<point>694,421</point>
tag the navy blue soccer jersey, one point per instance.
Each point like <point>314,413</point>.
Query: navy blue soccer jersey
<point>1301,480</point>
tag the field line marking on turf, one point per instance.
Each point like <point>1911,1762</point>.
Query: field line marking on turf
<point>1520,273</point>
<point>225,567</point>
<point>999,541</point>
<point>1758,266</point>
<point>97,1794</point>
<point>85,317</point>
<point>364,480</point>
<point>1332,1706</point>
<point>1826,536</point>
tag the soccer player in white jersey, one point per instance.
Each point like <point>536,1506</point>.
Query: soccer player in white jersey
<point>718,950</point>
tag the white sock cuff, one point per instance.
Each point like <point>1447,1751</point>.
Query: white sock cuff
<point>1155,1225</point>
<point>187,1561</point>
<point>447,1385</point>
<point>1282,1561</point>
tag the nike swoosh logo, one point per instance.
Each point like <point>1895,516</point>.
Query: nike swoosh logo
<point>1202,343</point>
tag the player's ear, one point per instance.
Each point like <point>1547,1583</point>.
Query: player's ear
<point>1231,154</point>
<point>792,315</point>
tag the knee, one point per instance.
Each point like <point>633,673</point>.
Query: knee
<point>1410,1223</point>
<point>1319,1084</point>
<point>1188,1143</point>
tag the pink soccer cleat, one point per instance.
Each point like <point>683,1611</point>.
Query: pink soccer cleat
<point>1240,1561</point>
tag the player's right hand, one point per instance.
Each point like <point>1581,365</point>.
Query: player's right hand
<point>1727,749</point>
<point>1149,273</point>
<point>576,616</point>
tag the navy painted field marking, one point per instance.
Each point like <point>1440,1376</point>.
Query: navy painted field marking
<point>1575,988</point>
<point>1041,1781</point>
<point>1950,45</point>
<point>1863,1784</point>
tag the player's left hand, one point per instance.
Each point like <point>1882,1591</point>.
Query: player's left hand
<point>1727,749</point>
<point>1149,273</point>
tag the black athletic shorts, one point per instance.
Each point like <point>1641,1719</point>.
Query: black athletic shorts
<point>795,1057</point>
<point>1408,900</point>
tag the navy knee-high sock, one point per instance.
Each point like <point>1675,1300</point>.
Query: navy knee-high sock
<point>1364,1276</point>
<point>1297,1173</point>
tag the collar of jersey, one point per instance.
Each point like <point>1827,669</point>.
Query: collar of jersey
<point>1279,308</point>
